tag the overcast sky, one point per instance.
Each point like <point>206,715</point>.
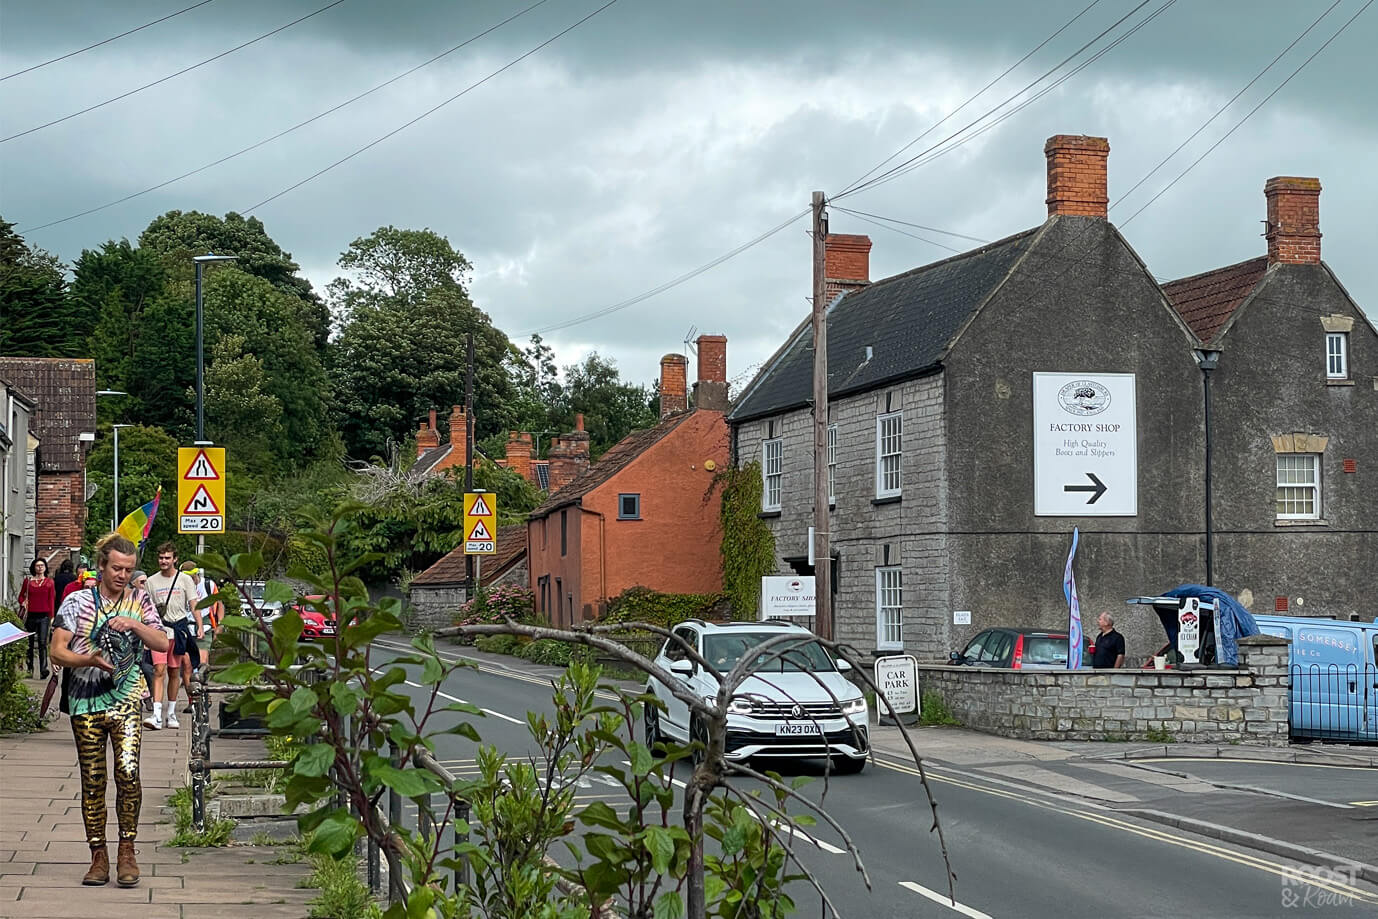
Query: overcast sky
<point>658,135</point>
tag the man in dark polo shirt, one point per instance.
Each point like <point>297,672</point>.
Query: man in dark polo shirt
<point>1109,645</point>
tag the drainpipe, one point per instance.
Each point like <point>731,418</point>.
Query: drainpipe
<point>602,551</point>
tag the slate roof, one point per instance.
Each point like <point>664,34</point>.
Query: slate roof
<point>64,391</point>
<point>1207,301</point>
<point>451,568</point>
<point>908,321</point>
<point>427,461</point>
<point>618,457</point>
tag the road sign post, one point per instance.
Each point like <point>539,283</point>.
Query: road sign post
<point>480,523</point>
<point>200,490</point>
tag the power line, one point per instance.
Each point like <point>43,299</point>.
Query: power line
<point>979,93</point>
<point>1253,110</point>
<point>428,112</point>
<point>284,133</point>
<point>927,156</point>
<point>922,239</point>
<point>105,41</point>
<point>675,282</point>
<point>1039,79</point>
<point>92,108</point>
<point>917,226</point>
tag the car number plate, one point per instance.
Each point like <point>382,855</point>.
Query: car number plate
<point>796,729</point>
<point>327,630</point>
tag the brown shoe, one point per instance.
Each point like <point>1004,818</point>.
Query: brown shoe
<point>126,869</point>
<point>99,872</point>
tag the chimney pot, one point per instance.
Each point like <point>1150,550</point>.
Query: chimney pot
<point>579,421</point>
<point>1077,179</point>
<point>710,392</point>
<point>1294,220</point>
<point>674,384</point>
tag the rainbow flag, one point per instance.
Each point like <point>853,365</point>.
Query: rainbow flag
<point>137,525</point>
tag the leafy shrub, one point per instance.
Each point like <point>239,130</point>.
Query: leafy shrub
<point>342,894</point>
<point>553,653</point>
<point>18,704</point>
<point>497,644</point>
<point>934,710</point>
<point>641,604</point>
<point>492,606</point>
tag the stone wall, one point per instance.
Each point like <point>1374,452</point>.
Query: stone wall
<point>434,608</point>
<point>1247,705</point>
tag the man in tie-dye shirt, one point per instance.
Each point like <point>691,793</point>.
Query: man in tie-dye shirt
<point>100,635</point>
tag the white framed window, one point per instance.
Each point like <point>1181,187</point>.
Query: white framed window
<point>832,464</point>
<point>1299,486</point>
<point>1336,356</point>
<point>772,472</point>
<point>889,608</point>
<point>889,433</point>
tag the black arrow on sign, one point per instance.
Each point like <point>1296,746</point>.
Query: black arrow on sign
<point>1098,488</point>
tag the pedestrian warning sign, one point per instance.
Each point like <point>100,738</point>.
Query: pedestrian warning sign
<point>201,489</point>
<point>480,523</point>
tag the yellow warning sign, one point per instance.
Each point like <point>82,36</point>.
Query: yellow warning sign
<point>200,489</point>
<point>480,523</point>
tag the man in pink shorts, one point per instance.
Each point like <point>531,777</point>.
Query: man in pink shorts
<point>174,595</point>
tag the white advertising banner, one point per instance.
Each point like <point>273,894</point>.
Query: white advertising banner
<point>1085,445</point>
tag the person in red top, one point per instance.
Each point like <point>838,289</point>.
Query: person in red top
<point>86,581</point>
<point>38,602</point>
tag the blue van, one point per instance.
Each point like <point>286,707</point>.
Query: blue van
<point>1334,676</point>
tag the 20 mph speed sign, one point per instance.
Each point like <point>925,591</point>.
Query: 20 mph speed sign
<point>200,489</point>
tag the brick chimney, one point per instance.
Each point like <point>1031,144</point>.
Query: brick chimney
<point>458,431</point>
<point>1294,220</point>
<point>846,264</point>
<point>569,455</point>
<point>427,438</point>
<point>710,392</point>
<point>519,454</point>
<point>1077,183</point>
<point>674,384</point>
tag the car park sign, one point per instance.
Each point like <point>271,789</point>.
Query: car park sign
<point>1085,445</point>
<point>897,677</point>
<point>200,489</point>
<point>480,523</point>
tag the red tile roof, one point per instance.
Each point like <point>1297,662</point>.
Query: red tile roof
<point>618,457</point>
<point>451,568</point>
<point>1206,301</point>
<point>64,390</point>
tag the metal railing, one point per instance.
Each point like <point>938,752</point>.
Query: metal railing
<point>199,762</point>
<point>1330,702</point>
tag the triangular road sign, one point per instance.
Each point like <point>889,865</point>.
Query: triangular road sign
<point>480,532</point>
<point>201,469</point>
<point>481,509</point>
<point>201,503</point>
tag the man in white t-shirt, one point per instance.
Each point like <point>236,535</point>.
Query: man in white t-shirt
<point>175,597</point>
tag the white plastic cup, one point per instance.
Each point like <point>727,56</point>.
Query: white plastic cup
<point>1159,662</point>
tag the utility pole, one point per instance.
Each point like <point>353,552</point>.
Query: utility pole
<point>469,453</point>
<point>822,544</point>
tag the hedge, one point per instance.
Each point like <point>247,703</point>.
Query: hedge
<point>18,704</point>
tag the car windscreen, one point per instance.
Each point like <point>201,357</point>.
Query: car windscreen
<point>255,590</point>
<point>802,655</point>
<point>1045,649</point>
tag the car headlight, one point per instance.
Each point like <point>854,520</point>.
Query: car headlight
<point>855,706</point>
<point>741,705</point>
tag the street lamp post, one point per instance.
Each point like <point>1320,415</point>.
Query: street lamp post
<point>1208,360</point>
<point>201,261</point>
<point>116,427</point>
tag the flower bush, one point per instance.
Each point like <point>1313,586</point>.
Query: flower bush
<point>492,605</point>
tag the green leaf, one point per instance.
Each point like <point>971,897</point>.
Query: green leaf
<point>464,729</point>
<point>409,783</point>
<point>641,759</point>
<point>432,672</point>
<point>335,835</point>
<point>419,903</point>
<point>391,677</point>
<point>304,789</point>
<point>302,700</point>
<point>364,632</point>
<point>286,632</point>
<point>315,760</point>
<point>344,698</point>
<point>661,845</point>
<point>246,564</point>
<point>278,592</point>
<point>669,905</point>
<point>242,672</point>
<point>600,814</point>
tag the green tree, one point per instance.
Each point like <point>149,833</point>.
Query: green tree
<point>402,349</point>
<point>148,459</point>
<point>115,284</point>
<point>612,408</point>
<point>38,319</point>
<point>179,235</point>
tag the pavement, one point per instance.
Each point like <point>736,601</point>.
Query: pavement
<point>43,852</point>
<point>1314,803</point>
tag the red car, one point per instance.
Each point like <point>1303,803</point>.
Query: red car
<point>314,625</point>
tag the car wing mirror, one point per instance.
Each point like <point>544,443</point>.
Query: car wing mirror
<point>843,665</point>
<point>956,657</point>
<point>682,667</point>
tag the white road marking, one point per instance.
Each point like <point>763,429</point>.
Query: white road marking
<point>673,781</point>
<point>800,834</point>
<point>485,667</point>
<point>942,898</point>
<point>449,698</point>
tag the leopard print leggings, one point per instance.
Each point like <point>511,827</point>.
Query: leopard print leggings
<point>124,727</point>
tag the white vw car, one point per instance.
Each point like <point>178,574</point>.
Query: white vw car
<point>795,705</point>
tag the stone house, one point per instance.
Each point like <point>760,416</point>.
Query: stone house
<point>646,514</point>
<point>64,390</point>
<point>18,449</point>
<point>1294,419</point>
<point>438,592</point>
<point>952,513</point>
